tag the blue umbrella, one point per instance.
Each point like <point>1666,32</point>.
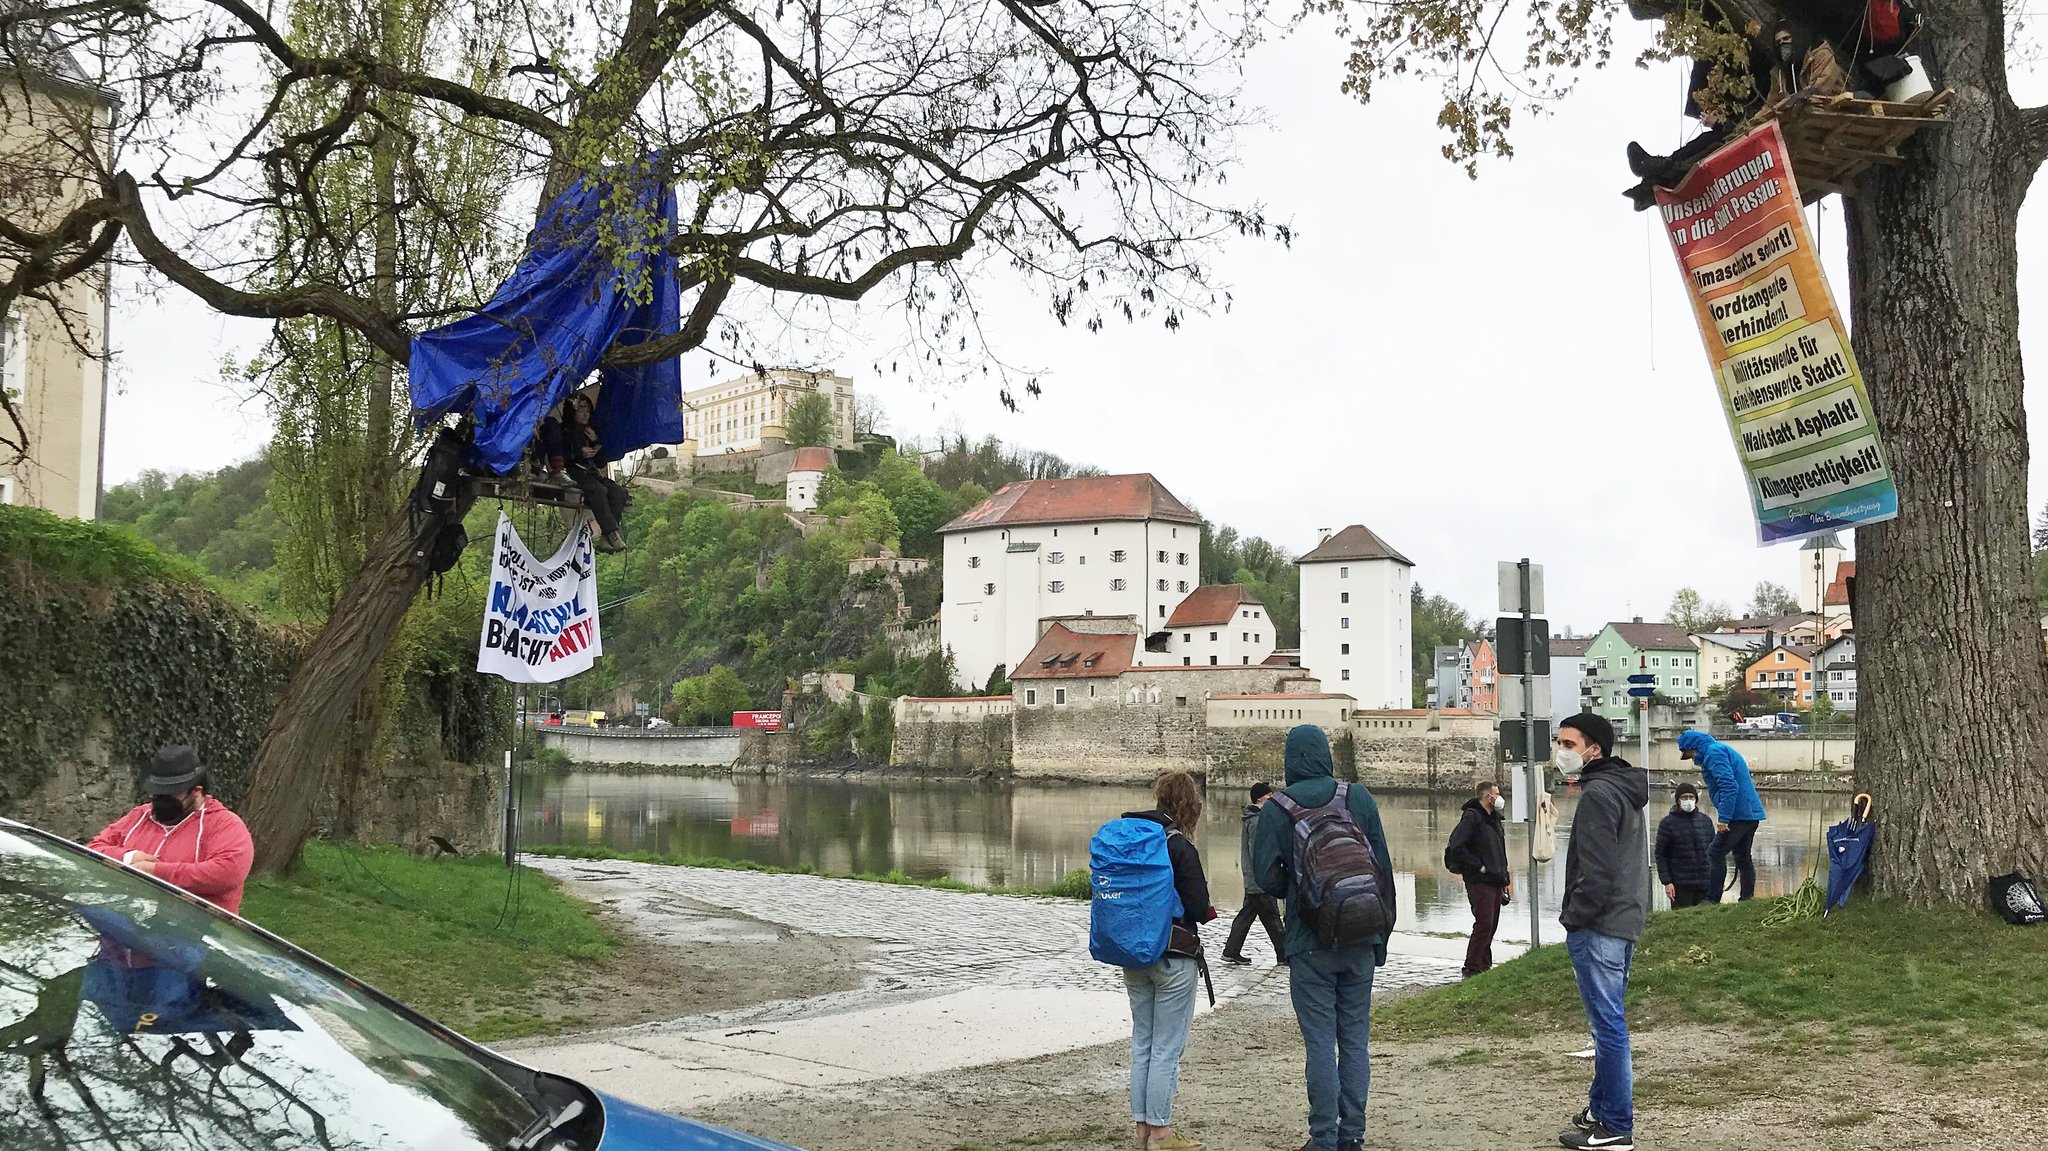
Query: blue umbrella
<point>1848,848</point>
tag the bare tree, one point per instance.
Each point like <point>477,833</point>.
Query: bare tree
<point>823,153</point>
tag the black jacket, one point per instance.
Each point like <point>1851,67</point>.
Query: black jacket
<point>1478,849</point>
<point>1606,877</point>
<point>1188,880</point>
<point>1684,842</point>
<point>1244,849</point>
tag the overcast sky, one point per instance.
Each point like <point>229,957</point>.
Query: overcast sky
<point>1476,370</point>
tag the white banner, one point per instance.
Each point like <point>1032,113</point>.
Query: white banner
<point>540,622</point>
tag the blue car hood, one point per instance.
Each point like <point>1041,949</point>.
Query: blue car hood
<point>631,1127</point>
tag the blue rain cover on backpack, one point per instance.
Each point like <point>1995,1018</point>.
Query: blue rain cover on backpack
<point>1132,903</point>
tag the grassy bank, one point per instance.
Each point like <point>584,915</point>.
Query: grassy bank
<point>438,934</point>
<point>1950,987</point>
<point>1073,886</point>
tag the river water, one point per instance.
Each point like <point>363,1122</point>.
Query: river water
<point>1028,835</point>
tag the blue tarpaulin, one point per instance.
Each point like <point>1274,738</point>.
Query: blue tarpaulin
<point>548,324</point>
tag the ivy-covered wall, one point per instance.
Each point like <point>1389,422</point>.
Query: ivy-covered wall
<point>110,648</point>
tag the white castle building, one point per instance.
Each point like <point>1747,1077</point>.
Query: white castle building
<point>1356,618</point>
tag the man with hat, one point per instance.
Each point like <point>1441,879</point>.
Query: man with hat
<point>1257,904</point>
<point>1685,844</point>
<point>183,836</point>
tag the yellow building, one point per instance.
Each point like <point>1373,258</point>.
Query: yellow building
<point>53,123</point>
<point>734,416</point>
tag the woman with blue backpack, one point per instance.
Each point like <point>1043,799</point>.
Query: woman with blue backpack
<point>1149,901</point>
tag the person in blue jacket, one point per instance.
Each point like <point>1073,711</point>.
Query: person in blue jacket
<point>1737,807</point>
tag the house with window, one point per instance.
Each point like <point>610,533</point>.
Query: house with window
<point>53,348</point>
<point>1218,625</point>
<point>1040,549</point>
<point>1567,674</point>
<point>1621,650</point>
<point>1786,671</point>
<point>1835,672</point>
<point>1355,617</point>
<point>1722,654</point>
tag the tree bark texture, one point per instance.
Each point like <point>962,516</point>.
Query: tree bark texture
<point>312,720</point>
<point>1951,727</point>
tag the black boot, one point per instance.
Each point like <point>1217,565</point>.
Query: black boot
<point>1640,161</point>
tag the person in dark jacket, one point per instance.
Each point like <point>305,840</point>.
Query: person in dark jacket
<point>1738,809</point>
<point>1257,904</point>
<point>1606,899</point>
<point>1331,989</point>
<point>1478,851</point>
<point>603,495</point>
<point>1163,995</point>
<point>1685,842</point>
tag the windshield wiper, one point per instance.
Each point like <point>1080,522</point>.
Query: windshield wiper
<point>542,1131</point>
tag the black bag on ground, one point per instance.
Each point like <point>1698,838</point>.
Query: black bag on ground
<point>2013,896</point>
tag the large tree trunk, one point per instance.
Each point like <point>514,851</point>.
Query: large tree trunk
<point>1952,735</point>
<point>292,764</point>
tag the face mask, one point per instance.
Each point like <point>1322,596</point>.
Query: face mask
<point>1500,802</point>
<point>167,809</point>
<point>1688,805</point>
<point>1570,760</point>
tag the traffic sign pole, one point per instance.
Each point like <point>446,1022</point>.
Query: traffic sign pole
<point>1643,702</point>
<point>1533,894</point>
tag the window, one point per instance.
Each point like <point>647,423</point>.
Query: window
<point>988,589</point>
<point>1056,586</point>
<point>974,561</point>
<point>1116,585</point>
<point>1187,637</point>
<point>1183,585</point>
<point>1781,657</point>
<point>1212,661</point>
<point>1658,661</point>
<point>1118,556</point>
<point>1343,573</point>
<point>1181,558</point>
<point>1345,622</point>
<point>1055,557</point>
<point>1247,661</point>
<point>1688,661</point>
<point>1688,681</point>
<point>1030,697</point>
<point>1162,585</point>
<point>1343,649</point>
<point>1059,696</point>
<point>1082,560</point>
<point>1162,555</point>
<point>1162,611</point>
<point>1187,661</point>
<point>1212,637</point>
<point>1807,676</point>
<point>1344,674</point>
<point>1256,639</point>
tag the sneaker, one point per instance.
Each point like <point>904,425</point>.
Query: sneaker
<point>1357,1146</point>
<point>1176,1142</point>
<point>1594,1138</point>
<point>1229,958</point>
<point>612,542</point>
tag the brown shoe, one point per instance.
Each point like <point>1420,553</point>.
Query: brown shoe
<point>1176,1142</point>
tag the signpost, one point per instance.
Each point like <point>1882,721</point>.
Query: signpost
<point>1642,686</point>
<point>1526,641</point>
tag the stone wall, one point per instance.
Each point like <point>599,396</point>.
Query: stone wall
<point>662,747</point>
<point>964,736</point>
<point>1132,727</point>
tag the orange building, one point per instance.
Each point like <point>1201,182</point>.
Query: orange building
<point>1786,669</point>
<point>1485,677</point>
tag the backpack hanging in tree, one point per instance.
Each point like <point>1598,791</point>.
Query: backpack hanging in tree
<point>1132,902</point>
<point>1343,895</point>
<point>2013,896</point>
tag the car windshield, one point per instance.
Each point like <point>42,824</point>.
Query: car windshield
<point>133,1020</point>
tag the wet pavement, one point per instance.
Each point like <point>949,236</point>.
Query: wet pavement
<point>952,980</point>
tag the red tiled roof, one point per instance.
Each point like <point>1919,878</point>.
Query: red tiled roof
<point>1084,499</point>
<point>1356,542</point>
<point>812,459</point>
<point>1293,658</point>
<point>1064,654</point>
<point>1570,647</point>
<point>1653,636</point>
<point>1211,604</point>
<point>1838,591</point>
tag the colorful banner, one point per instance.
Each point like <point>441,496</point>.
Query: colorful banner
<point>540,622</point>
<point>1796,403</point>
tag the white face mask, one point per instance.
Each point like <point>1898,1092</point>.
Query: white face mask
<point>1500,802</point>
<point>1688,805</point>
<point>1569,760</point>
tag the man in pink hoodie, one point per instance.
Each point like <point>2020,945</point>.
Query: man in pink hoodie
<point>183,836</point>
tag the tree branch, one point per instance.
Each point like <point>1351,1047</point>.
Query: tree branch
<point>2034,139</point>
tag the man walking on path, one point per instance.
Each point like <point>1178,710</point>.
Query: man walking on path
<point>1478,851</point>
<point>1606,899</point>
<point>1257,904</point>
<point>1331,988</point>
<point>1738,809</point>
<point>1685,843</point>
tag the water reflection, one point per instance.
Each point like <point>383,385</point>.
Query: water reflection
<point>1027,835</point>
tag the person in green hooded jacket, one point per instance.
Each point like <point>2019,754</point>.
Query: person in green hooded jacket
<point>1331,989</point>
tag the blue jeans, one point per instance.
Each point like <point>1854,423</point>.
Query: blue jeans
<point>1162,1006</point>
<point>1600,964</point>
<point>1332,993</point>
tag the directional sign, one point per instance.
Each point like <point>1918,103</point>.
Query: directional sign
<point>1511,695</point>
<point>1642,692</point>
<point>1513,738</point>
<point>1508,644</point>
<point>1643,677</point>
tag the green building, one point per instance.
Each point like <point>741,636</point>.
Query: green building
<point>1625,649</point>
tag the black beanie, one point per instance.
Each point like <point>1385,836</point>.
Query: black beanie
<point>1685,789</point>
<point>1261,790</point>
<point>1595,728</point>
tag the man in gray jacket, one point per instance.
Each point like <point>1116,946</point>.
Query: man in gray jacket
<point>1606,899</point>
<point>1257,904</point>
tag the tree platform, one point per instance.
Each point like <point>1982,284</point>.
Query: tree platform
<point>1834,139</point>
<point>529,490</point>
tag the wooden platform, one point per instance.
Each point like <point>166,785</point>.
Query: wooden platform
<point>1833,139</point>
<point>529,490</point>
